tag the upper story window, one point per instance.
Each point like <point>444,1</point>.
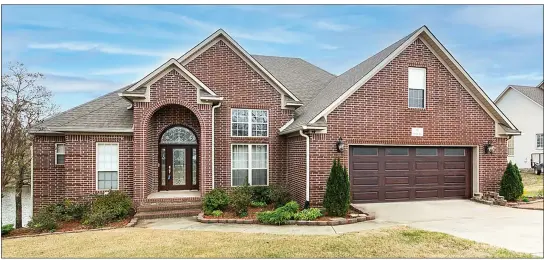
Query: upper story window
<point>539,141</point>
<point>510,145</point>
<point>59,154</point>
<point>417,82</point>
<point>249,122</point>
<point>107,166</point>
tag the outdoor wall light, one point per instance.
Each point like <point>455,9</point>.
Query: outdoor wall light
<point>489,148</point>
<point>340,145</point>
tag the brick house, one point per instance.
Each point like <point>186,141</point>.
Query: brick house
<point>408,122</point>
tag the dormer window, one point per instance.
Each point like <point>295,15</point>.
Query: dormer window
<point>417,82</point>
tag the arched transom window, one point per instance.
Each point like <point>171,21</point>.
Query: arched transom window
<point>178,135</point>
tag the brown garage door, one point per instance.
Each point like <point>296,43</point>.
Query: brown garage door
<point>381,174</point>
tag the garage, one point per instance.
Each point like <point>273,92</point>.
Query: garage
<point>383,174</point>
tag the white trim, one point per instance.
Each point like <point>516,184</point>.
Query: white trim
<point>56,145</point>
<point>96,164</point>
<point>393,55</point>
<point>536,141</point>
<point>307,164</point>
<point>250,124</point>
<point>212,39</point>
<point>85,130</point>
<point>249,162</point>
<point>287,124</point>
<point>213,143</point>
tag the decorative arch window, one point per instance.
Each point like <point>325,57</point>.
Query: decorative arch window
<point>178,135</point>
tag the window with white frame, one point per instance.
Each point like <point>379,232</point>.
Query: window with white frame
<point>510,145</point>
<point>539,141</point>
<point>249,163</point>
<point>59,154</point>
<point>107,166</point>
<point>417,82</point>
<point>249,122</point>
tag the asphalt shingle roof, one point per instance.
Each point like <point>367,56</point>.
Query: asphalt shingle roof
<point>534,93</point>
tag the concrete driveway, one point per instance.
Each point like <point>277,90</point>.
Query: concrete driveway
<point>519,230</point>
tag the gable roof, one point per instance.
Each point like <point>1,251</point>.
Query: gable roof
<point>222,35</point>
<point>304,79</point>
<point>339,89</point>
<point>108,113</point>
<point>536,94</point>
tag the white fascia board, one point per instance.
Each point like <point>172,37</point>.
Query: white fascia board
<point>90,130</point>
<point>204,45</point>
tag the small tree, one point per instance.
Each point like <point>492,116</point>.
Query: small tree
<point>511,183</point>
<point>336,200</point>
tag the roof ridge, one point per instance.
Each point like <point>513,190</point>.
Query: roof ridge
<point>76,107</point>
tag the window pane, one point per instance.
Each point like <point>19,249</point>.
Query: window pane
<point>60,158</point>
<point>396,151</point>
<point>60,148</point>
<point>240,129</point>
<point>178,135</point>
<point>240,116</point>
<point>416,98</point>
<point>454,151</point>
<point>259,129</point>
<point>107,180</point>
<point>107,155</point>
<point>417,78</point>
<point>365,151</point>
<point>194,166</point>
<point>258,177</point>
<point>539,141</point>
<point>240,157</point>
<point>163,166</point>
<point>239,177</point>
<point>426,151</point>
<point>258,157</point>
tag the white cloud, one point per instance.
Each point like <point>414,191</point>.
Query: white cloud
<point>63,83</point>
<point>332,26</point>
<point>325,46</point>
<point>512,19</point>
<point>104,48</point>
<point>534,76</point>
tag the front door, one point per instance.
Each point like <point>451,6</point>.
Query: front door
<point>178,167</point>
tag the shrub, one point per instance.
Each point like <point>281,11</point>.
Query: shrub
<point>525,199</point>
<point>68,210</point>
<point>45,219</point>
<point>280,215</point>
<point>336,200</point>
<point>7,228</point>
<point>279,196</point>
<point>216,199</point>
<point>107,208</point>
<point>511,183</point>
<point>258,204</point>
<point>308,214</point>
<point>240,199</point>
<point>260,193</point>
<point>217,213</point>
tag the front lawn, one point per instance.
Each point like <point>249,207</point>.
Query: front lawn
<point>397,242</point>
<point>533,184</point>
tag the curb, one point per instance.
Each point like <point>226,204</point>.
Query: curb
<point>368,216</point>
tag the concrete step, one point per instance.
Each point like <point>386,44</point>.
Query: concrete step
<point>162,206</point>
<point>167,214</point>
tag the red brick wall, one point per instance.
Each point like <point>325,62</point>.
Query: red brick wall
<point>296,168</point>
<point>378,113</point>
<point>231,77</point>
<point>76,179</point>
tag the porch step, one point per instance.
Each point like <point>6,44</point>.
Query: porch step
<point>162,206</point>
<point>167,214</point>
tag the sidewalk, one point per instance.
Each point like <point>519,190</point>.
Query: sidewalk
<point>190,223</point>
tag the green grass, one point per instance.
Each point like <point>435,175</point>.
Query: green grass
<point>533,185</point>
<point>397,242</point>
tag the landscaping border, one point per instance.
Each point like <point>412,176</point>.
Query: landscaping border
<point>369,216</point>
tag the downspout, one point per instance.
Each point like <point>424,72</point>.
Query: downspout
<point>307,203</point>
<point>213,144</point>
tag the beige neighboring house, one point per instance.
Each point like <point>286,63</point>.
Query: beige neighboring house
<point>523,105</point>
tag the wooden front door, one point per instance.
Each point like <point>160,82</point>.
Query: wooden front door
<point>178,167</point>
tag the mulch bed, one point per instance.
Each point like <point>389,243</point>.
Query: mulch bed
<point>251,213</point>
<point>65,226</point>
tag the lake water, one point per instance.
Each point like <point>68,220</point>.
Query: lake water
<point>8,206</point>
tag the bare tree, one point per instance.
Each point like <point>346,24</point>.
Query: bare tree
<point>25,103</point>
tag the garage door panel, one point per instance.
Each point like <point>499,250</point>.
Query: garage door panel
<point>426,165</point>
<point>392,174</point>
<point>397,180</point>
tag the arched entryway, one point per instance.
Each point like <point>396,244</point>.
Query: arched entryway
<point>178,159</point>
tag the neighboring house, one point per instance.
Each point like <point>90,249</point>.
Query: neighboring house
<point>413,123</point>
<point>524,107</point>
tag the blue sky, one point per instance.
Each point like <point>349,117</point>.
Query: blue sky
<point>88,50</point>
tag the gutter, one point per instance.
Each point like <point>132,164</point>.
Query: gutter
<point>307,203</point>
<point>213,143</point>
